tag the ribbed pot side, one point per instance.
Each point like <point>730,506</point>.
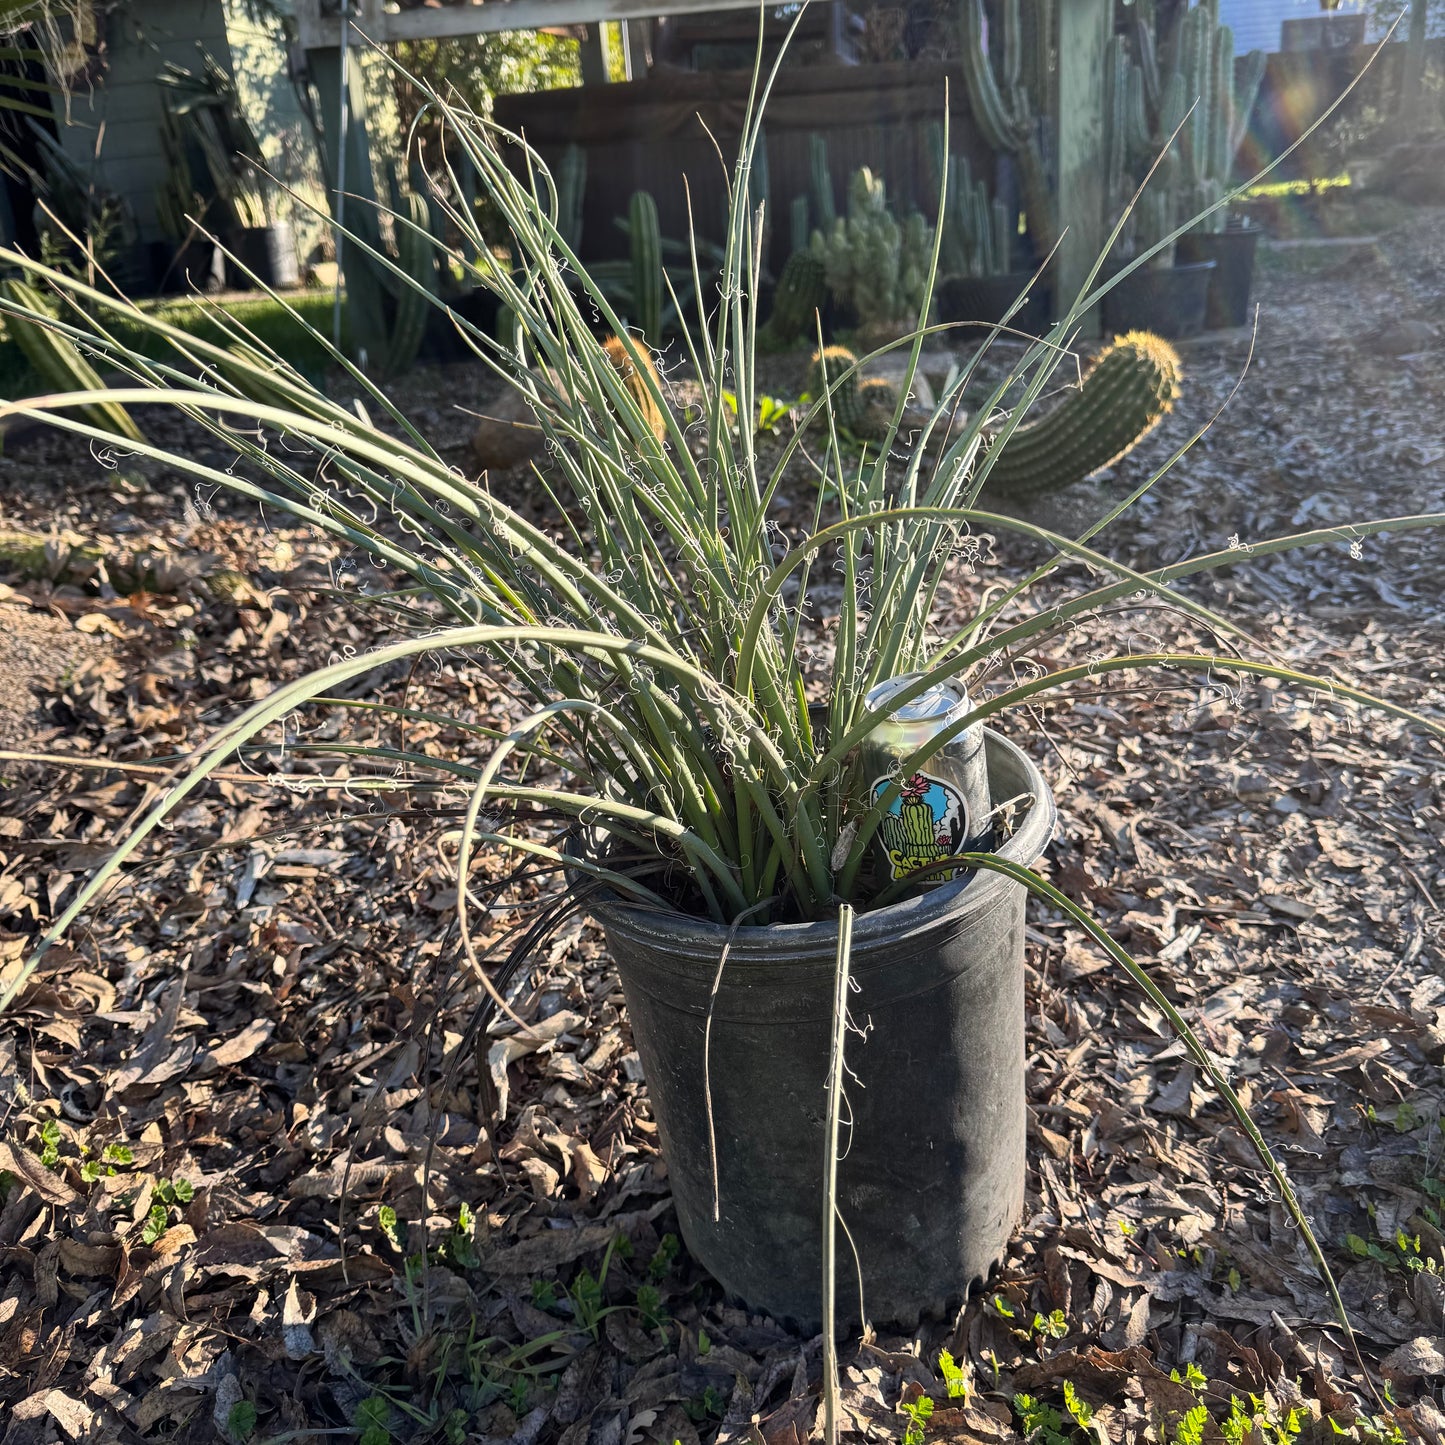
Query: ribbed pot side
<point>932,1173</point>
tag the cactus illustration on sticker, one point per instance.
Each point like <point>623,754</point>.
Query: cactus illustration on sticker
<point>924,824</point>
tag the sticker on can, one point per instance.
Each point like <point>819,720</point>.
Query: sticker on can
<point>926,822</point>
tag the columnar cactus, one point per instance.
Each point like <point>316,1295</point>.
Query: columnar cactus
<point>571,191</point>
<point>416,256</point>
<point>646,266</point>
<point>1132,384</point>
<point>873,261</point>
<point>799,228</point>
<point>801,290</point>
<point>824,209</point>
<point>1004,111</point>
<point>977,232</point>
<point>758,188</point>
<point>1198,71</point>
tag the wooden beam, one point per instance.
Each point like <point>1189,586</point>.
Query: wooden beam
<point>1084,30</point>
<point>481,17</point>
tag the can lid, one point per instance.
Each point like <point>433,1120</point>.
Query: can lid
<point>940,699</point>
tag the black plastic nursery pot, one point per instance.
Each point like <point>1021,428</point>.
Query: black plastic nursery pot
<point>269,252</point>
<point>1167,300</point>
<point>985,299</point>
<point>1230,284</point>
<point>931,1179</point>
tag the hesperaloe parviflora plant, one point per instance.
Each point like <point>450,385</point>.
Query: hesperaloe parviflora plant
<point>658,639</point>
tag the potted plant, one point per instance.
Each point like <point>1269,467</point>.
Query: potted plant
<point>213,156</point>
<point>875,264</point>
<point>1224,236</point>
<point>1175,120</point>
<point>728,815</point>
<point>977,282</point>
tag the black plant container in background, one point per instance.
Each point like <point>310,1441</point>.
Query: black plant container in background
<point>1167,300</point>
<point>269,252</point>
<point>1232,251</point>
<point>985,299</point>
<point>931,1182</point>
<point>200,265</point>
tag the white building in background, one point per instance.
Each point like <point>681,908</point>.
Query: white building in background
<point>1257,23</point>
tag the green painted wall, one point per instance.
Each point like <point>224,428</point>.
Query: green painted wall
<point>116,126</point>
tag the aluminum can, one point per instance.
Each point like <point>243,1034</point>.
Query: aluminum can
<point>943,807</point>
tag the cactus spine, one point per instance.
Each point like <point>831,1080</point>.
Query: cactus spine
<point>863,408</point>
<point>646,266</point>
<point>58,362</point>
<point>1132,384</point>
<point>635,369</point>
<point>571,191</point>
<point>802,288</point>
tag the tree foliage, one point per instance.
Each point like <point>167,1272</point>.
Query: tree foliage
<point>478,68</point>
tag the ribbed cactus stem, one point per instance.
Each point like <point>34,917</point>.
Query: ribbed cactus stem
<point>863,408</point>
<point>1003,229</point>
<point>1116,129</point>
<point>982,230</point>
<point>1130,387</point>
<point>799,228</point>
<point>571,192</point>
<point>416,256</point>
<point>825,211</point>
<point>758,184</point>
<point>646,266</point>
<point>1002,112</point>
<point>1221,159</point>
<point>1245,95</point>
<point>801,290</point>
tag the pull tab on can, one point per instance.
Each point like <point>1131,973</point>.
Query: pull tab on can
<point>941,808</point>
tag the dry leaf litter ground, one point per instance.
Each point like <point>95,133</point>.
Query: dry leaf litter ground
<point>260,1170</point>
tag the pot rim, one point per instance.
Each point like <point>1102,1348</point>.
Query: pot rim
<point>974,893</point>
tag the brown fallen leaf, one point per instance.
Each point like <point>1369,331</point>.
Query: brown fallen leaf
<point>49,1185</point>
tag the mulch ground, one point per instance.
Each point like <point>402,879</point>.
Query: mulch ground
<point>260,1176</point>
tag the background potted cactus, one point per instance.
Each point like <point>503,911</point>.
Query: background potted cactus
<point>874,262</point>
<point>979,237</point>
<point>1175,102</point>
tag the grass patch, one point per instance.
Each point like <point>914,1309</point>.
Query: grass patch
<point>273,323</point>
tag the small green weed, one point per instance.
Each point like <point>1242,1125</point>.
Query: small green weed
<point>663,1258</point>
<point>241,1421</point>
<point>50,1144</point>
<point>772,412</point>
<point>919,1413</point>
<point>710,1405</point>
<point>169,1194</point>
<point>371,1420</point>
<point>954,1376</point>
<point>112,1158</point>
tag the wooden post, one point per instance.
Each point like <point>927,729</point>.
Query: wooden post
<point>1084,30</point>
<point>592,52</point>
